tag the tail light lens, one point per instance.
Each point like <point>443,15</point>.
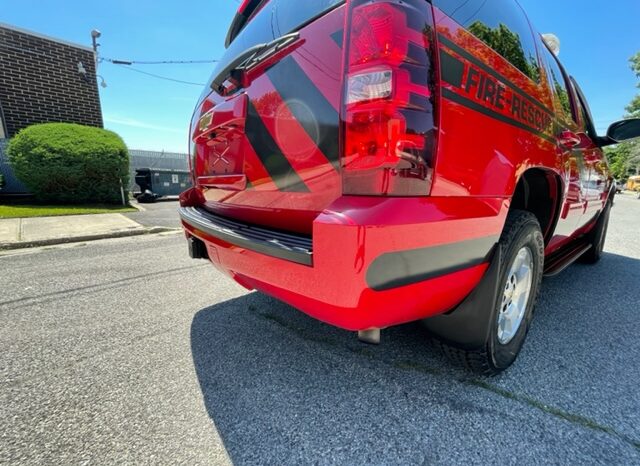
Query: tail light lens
<point>369,86</point>
<point>388,112</point>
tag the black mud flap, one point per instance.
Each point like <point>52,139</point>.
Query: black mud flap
<point>468,325</point>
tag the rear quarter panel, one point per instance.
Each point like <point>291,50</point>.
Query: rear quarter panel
<point>488,137</point>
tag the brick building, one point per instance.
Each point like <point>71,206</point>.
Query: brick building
<point>43,80</point>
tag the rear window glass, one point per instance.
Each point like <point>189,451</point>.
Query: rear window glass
<point>502,25</point>
<point>274,20</point>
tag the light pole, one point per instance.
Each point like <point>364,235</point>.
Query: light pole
<point>95,35</point>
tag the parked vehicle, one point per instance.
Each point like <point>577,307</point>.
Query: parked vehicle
<point>432,160</point>
<point>157,183</point>
<point>633,184</point>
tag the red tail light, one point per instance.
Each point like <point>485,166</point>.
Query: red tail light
<point>388,118</point>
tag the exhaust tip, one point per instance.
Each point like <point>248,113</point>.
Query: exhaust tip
<point>371,336</point>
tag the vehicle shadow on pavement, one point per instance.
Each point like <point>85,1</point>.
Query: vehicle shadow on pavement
<point>284,388</point>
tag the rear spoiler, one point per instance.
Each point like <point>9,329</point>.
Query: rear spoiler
<point>246,9</point>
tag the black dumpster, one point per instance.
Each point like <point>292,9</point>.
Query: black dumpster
<point>156,183</point>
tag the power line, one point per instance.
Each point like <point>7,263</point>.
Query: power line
<point>166,78</point>
<point>160,62</point>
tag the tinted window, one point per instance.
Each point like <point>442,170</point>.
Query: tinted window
<point>558,83</point>
<point>275,19</point>
<point>502,25</point>
<point>584,109</point>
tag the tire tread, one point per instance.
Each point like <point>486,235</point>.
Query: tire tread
<point>479,361</point>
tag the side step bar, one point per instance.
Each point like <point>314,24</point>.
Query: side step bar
<point>562,259</point>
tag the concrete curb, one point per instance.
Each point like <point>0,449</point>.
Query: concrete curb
<point>137,206</point>
<point>80,239</point>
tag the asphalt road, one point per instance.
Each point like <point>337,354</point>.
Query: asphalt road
<point>126,351</point>
<point>163,213</point>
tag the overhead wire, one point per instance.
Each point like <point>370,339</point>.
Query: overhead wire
<point>166,78</point>
<point>159,62</point>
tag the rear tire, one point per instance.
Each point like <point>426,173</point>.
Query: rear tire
<point>520,276</point>
<point>597,237</point>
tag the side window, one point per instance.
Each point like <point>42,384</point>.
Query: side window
<point>502,25</point>
<point>584,110</point>
<point>558,83</point>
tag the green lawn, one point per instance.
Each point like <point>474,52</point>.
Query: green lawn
<point>35,210</point>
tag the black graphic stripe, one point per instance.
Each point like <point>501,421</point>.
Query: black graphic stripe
<point>274,161</point>
<point>318,117</point>
<point>462,52</point>
<point>459,99</point>
<point>451,69</point>
<point>338,37</point>
<point>402,268</point>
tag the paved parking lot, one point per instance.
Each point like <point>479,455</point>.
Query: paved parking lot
<point>126,351</point>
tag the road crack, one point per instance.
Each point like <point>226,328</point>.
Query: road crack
<point>476,382</point>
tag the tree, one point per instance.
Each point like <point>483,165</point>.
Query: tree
<point>508,44</point>
<point>634,107</point>
<point>625,157</point>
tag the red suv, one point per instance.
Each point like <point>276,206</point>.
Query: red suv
<point>376,162</point>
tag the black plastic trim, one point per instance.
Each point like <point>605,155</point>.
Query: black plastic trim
<point>395,269</point>
<point>294,248</point>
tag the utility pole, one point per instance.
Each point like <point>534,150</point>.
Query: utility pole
<point>95,35</point>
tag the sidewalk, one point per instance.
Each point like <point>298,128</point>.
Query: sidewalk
<point>18,233</point>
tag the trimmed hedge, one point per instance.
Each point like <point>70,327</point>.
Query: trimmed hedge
<point>69,163</point>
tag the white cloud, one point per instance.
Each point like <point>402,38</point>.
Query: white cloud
<point>124,121</point>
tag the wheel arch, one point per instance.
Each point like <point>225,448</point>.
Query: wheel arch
<point>540,190</point>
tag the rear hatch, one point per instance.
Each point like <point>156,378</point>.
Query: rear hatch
<point>265,134</point>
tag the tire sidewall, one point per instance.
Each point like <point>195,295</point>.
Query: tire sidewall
<point>529,235</point>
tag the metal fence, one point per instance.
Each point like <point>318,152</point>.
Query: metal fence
<point>139,159</point>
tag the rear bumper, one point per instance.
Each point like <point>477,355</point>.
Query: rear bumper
<point>371,263</point>
<point>285,246</point>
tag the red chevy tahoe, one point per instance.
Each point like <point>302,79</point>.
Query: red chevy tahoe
<point>376,162</point>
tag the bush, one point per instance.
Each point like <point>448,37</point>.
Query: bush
<point>68,163</point>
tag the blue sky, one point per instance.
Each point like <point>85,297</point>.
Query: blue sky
<point>597,40</point>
